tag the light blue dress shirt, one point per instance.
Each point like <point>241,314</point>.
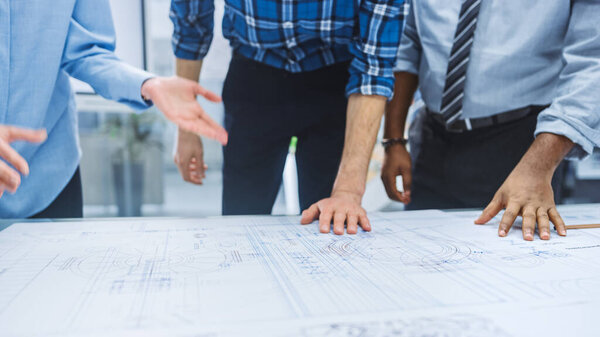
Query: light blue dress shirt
<point>42,42</point>
<point>534,52</point>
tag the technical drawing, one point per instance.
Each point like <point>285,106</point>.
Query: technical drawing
<point>453,326</point>
<point>144,276</point>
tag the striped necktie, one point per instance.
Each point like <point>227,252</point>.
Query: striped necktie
<point>452,98</point>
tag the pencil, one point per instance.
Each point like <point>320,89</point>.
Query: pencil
<point>582,226</point>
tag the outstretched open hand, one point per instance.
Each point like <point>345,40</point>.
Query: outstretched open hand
<point>176,98</point>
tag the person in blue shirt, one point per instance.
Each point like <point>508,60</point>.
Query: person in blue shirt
<point>42,43</point>
<point>318,70</point>
<point>510,89</point>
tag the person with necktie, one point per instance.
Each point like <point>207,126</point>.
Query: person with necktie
<point>510,90</point>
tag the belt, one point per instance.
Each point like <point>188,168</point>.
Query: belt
<point>468,124</point>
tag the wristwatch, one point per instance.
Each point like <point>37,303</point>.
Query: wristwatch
<point>387,143</point>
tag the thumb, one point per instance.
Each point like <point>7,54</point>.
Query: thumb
<point>310,214</point>
<point>209,95</point>
<point>406,184</point>
<point>407,181</point>
<point>489,212</point>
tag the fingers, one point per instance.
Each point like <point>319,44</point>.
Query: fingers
<point>200,127</point>
<point>389,182</point>
<point>364,222</point>
<point>209,95</point>
<point>339,221</point>
<point>325,221</point>
<point>12,157</point>
<point>494,207</point>
<point>529,219</point>
<point>197,171</point>
<point>33,136</point>
<point>557,221</point>
<point>511,213</point>
<point>9,178</point>
<point>192,170</point>
<point>543,223</point>
<point>352,226</point>
<point>309,215</point>
<point>406,183</point>
<point>221,132</point>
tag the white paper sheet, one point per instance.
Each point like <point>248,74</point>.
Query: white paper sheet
<point>416,274</point>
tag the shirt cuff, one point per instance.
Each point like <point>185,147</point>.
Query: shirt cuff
<point>190,50</point>
<point>549,122</point>
<point>406,66</point>
<point>370,85</point>
<point>133,91</point>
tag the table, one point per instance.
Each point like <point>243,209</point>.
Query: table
<point>427,273</point>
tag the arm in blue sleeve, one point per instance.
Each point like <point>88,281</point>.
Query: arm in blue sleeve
<point>193,23</point>
<point>409,53</point>
<point>375,48</point>
<point>575,112</point>
<point>89,55</point>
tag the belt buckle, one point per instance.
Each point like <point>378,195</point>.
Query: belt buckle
<point>456,126</point>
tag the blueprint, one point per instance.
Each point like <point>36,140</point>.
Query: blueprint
<point>425,273</point>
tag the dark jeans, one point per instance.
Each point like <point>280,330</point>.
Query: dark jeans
<point>68,204</point>
<point>464,170</point>
<point>264,108</point>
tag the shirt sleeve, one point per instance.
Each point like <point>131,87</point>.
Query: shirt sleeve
<point>575,112</point>
<point>375,47</point>
<point>409,53</point>
<point>89,55</point>
<point>193,23</point>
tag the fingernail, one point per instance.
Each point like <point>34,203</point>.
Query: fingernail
<point>502,232</point>
<point>545,235</point>
<point>528,236</point>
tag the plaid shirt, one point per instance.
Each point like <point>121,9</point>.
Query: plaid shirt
<point>301,35</point>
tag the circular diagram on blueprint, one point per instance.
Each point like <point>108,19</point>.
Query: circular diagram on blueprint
<point>124,262</point>
<point>430,254</point>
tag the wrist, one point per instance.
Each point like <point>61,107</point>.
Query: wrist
<point>355,196</point>
<point>183,134</point>
<point>388,143</point>
<point>544,155</point>
<point>148,88</point>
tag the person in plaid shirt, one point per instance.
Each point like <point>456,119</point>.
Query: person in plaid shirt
<point>319,70</point>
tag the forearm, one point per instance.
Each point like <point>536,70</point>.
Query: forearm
<point>363,120</point>
<point>545,154</point>
<point>188,69</point>
<point>397,108</point>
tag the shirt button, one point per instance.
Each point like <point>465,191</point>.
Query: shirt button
<point>288,25</point>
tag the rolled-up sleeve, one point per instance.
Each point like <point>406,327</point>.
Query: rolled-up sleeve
<point>193,23</point>
<point>89,55</point>
<point>375,48</point>
<point>409,53</point>
<point>575,112</point>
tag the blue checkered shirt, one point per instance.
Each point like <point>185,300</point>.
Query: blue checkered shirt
<point>301,35</point>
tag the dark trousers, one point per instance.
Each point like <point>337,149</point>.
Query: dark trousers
<point>68,204</point>
<point>264,108</point>
<point>464,170</point>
